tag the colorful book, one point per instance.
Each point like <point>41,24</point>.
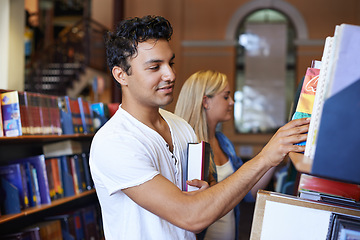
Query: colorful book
<point>198,163</point>
<point>10,108</point>
<point>100,114</point>
<point>306,100</point>
<point>56,174</point>
<point>39,169</point>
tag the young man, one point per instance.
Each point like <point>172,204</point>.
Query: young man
<point>136,157</point>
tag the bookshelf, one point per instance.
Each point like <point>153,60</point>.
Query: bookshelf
<point>12,148</point>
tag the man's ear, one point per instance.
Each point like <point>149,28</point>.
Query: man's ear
<point>119,75</point>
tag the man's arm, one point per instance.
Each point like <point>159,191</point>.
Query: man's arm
<point>195,212</point>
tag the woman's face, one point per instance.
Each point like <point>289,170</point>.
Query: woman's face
<point>220,107</point>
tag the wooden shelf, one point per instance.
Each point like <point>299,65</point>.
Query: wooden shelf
<point>43,207</point>
<point>302,163</point>
<point>44,138</point>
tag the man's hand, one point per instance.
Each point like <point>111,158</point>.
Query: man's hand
<point>284,141</point>
<point>202,185</point>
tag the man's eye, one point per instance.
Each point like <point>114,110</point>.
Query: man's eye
<point>154,67</point>
<point>171,64</point>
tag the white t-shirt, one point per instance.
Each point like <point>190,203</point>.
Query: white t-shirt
<point>125,153</point>
<point>224,228</point>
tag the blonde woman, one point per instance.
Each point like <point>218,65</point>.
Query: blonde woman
<point>204,102</point>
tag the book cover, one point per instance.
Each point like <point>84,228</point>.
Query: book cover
<point>307,96</point>
<point>38,162</point>
<point>100,114</point>
<point>24,113</point>
<point>45,114</point>
<point>65,116</point>
<point>88,179</point>
<point>66,147</point>
<point>80,172</point>
<point>55,115</point>
<point>73,106</point>
<point>12,173</point>
<point>74,174</point>
<point>198,163</point>
<point>86,115</point>
<point>67,179</point>
<point>56,174</point>
<point>35,182</point>
<point>10,201</point>
<point>50,176</point>
<point>33,198</point>
<point>34,111</point>
<point>11,114</point>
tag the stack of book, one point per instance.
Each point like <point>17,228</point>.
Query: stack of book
<point>329,191</point>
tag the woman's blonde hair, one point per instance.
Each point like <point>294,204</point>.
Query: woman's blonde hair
<point>189,105</point>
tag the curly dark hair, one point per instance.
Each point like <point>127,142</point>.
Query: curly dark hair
<point>122,43</point>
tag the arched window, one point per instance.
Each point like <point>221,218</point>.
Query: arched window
<point>265,71</point>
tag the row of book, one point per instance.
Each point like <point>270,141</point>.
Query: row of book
<point>36,180</point>
<point>85,223</point>
<point>28,113</point>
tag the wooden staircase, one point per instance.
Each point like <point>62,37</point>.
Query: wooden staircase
<point>54,69</point>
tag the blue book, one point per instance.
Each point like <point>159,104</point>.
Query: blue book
<point>65,116</point>
<point>12,173</point>
<point>99,114</point>
<point>38,163</point>
<point>88,179</point>
<point>66,176</point>
<point>9,197</point>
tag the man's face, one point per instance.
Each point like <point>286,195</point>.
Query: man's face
<point>152,77</point>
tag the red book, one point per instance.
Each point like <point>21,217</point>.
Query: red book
<point>45,114</point>
<point>330,187</point>
<point>55,115</point>
<point>34,111</point>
